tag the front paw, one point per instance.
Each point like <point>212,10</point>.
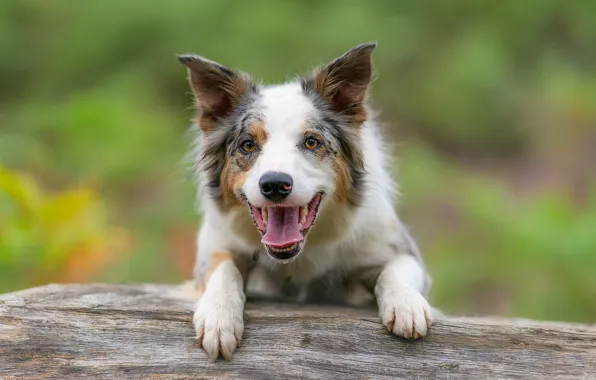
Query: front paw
<point>405,312</point>
<point>219,325</point>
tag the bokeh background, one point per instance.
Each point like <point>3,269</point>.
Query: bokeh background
<point>491,105</point>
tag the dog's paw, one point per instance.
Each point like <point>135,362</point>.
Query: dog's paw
<point>219,325</point>
<point>405,312</point>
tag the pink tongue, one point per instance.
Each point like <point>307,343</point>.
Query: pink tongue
<point>282,226</point>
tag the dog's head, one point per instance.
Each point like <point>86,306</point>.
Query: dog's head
<point>282,152</point>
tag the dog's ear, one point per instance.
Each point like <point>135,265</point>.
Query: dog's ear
<point>217,89</point>
<point>344,82</point>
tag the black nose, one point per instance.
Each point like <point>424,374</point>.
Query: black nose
<point>275,186</point>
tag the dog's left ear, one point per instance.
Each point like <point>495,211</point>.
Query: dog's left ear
<point>344,82</point>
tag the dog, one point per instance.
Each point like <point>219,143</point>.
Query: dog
<point>297,200</point>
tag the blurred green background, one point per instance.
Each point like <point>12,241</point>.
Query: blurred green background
<point>492,106</point>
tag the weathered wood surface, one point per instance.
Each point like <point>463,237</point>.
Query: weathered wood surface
<point>139,331</point>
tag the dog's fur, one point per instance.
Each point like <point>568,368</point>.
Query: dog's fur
<point>357,251</point>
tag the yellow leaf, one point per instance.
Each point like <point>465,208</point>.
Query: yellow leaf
<point>66,208</point>
<point>22,189</point>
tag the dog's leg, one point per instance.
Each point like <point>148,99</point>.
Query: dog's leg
<point>218,317</point>
<point>402,308</point>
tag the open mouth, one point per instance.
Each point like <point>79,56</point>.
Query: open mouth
<point>285,227</point>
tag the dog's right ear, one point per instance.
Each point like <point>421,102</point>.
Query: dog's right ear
<point>217,89</point>
<point>344,82</point>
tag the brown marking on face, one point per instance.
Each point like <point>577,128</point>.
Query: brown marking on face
<point>321,152</point>
<point>258,132</point>
<point>231,182</point>
<point>343,182</point>
<point>238,165</point>
<point>344,191</point>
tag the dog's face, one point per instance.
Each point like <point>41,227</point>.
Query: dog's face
<point>282,152</point>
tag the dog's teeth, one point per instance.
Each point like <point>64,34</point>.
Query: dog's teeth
<point>303,214</point>
<point>283,250</point>
<point>265,216</point>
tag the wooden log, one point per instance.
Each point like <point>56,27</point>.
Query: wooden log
<point>142,331</point>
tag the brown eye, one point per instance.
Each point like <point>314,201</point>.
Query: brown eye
<point>311,143</point>
<point>248,146</point>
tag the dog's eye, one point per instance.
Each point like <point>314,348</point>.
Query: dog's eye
<point>311,143</point>
<point>248,146</point>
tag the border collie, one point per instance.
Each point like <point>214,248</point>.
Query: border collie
<point>297,200</point>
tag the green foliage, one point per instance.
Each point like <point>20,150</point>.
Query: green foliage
<point>483,98</point>
<point>41,236</point>
<point>535,255</point>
